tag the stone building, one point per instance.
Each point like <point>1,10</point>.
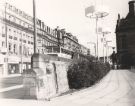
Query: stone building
<point>125,38</point>
<point>17,40</point>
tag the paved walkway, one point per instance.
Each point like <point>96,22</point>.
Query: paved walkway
<point>116,89</point>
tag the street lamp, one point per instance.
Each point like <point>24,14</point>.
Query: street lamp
<point>35,28</point>
<point>96,12</point>
<point>94,46</point>
<point>107,50</point>
<point>104,38</point>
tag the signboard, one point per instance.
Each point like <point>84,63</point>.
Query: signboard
<point>89,10</point>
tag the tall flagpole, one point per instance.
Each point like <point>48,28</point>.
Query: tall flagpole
<point>35,29</point>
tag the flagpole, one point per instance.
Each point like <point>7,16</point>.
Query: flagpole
<point>35,29</point>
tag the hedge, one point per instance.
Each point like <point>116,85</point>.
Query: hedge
<point>86,73</point>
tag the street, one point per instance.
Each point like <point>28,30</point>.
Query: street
<point>116,89</point>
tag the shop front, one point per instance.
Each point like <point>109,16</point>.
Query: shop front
<point>13,68</point>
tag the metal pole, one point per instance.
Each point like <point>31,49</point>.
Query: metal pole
<point>7,51</point>
<point>97,37</point>
<point>94,46</point>
<point>106,51</point>
<point>103,48</point>
<point>95,49</point>
<point>6,26</point>
<point>35,29</point>
<point>21,54</point>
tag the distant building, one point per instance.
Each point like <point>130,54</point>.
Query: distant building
<point>17,40</point>
<point>125,38</point>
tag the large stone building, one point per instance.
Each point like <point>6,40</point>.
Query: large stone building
<point>125,37</point>
<point>17,43</point>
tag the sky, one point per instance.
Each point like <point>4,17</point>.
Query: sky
<point>70,14</point>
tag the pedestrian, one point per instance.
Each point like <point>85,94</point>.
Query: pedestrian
<point>114,59</point>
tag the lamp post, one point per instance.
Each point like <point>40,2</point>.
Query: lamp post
<point>104,38</point>
<point>94,46</point>
<point>107,50</point>
<point>96,12</point>
<point>112,47</point>
<point>35,28</point>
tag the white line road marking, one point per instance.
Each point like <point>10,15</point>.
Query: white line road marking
<point>10,88</point>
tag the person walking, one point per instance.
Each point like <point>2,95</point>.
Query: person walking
<point>114,59</point>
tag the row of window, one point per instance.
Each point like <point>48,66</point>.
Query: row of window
<point>16,32</point>
<point>19,49</point>
<point>48,30</point>
<point>46,43</point>
<point>18,21</point>
<point>51,36</point>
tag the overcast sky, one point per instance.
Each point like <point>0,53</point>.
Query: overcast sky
<point>70,14</point>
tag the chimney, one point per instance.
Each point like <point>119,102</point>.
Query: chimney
<point>132,8</point>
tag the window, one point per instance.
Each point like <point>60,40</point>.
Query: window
<point>3,35</point>
<point>28,42</point>
<point>10,7</point>
<point>10,47</point>
<point>24,50</point>
<point>15,38</point>
<point>17,11</point>
<point>3,43</point>
<point>24,41</point>
<point>20,12</point>
<point>31,43</point>
<point>10,37</point>
<point>15,47</point>
<point>14,32</point>
<point>20,49</point>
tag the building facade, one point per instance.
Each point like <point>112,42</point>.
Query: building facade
<point>17,40</point>
<point>125,38</point>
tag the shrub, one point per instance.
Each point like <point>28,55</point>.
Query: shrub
<point>86,73</point>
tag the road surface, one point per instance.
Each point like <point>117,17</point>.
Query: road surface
<point>116,89</point>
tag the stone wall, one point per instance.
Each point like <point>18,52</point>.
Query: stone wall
<point>51,73</point>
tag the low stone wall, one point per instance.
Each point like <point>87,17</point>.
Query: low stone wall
<point>51,76</point>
